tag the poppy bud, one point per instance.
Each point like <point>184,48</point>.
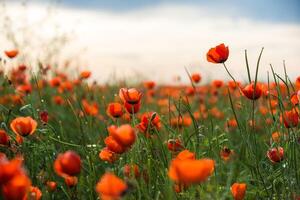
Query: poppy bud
<point>4,138</point>
<point>44,117</point>
<point>51,186</point>
<point>275,155</point>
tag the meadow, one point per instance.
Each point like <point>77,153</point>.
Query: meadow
<point>63,136</point>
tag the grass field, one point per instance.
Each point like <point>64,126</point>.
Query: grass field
<point>65,137</point>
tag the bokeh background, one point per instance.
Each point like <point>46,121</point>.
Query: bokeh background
<point>154,39</point>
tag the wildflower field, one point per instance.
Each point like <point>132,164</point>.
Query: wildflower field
<point>63,136</point>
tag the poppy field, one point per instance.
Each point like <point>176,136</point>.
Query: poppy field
<point>64,136</point>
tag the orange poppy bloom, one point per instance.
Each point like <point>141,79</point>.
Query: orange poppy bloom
<point>51,186</point>
<point>218,54</point>
<point>238,191</point>
<point>85,74</point>
<point>252,93</point>
<point>107,155</point>
<point>131,171</point>
<point>275,155</point>
<point>12,53</point>
<point>67,164</point>
<point>91,109</point>
<point>23,126</point>
<point>196,77</point>
<point>124,134</point>
<point>295,98</point>
<point>290,118</point>
<point>33,194</point>
<point>131,96</point>
<point>4,138</point>
<point>190,171</point>
<point>113,145</point>
<point>149,121</point>
<point>17,187</point>
<point>114,110</point>
<point>174,145</point>
<point>110,187</point>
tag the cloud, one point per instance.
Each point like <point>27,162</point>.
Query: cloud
<point>159,42</point>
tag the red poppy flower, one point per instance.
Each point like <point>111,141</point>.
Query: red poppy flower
<point>113,145</point>
<point>44,116</point>
<point>275,155</point>
<point>114,110</point>
<point>33,194</point>
<point>23,126</point>
<point>67,164</point>
<point>226,153</point>
<point>190,171</point>
<point>218,54</point>
<point>131,171</point>
<point>174,145</point>
<point>131,96</point>
<point>4,138</point>
<point>149,121</point>
<point>290,118</point>
<point>252,93</point>
<point>85,74</point>
<point>196,77</point>
<point>107,155</point>
<point>124,134</point>
<point>12,53</point>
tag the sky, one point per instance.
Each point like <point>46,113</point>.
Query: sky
<point>158,39</point>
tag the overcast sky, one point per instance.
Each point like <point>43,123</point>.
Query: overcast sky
<point>159,38</point>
